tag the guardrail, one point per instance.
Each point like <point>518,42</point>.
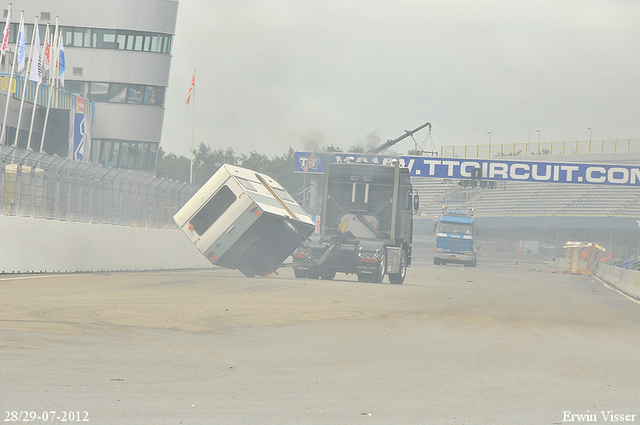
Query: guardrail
<point>39,93</point>
<point>626,281</point>
<point>44,186</point>
<point>541,148</point>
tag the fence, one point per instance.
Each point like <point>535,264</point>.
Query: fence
<point>44,186</point>
<point>39,93</point>
<point>541,148</point>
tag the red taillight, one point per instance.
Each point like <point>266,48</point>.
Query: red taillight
<point>361,259</point>
<point>367,259</point>
<point>295,254</point>
<point>373,260</point>
<point>302,255</point>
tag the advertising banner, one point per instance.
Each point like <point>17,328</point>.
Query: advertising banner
<point>500,169</point>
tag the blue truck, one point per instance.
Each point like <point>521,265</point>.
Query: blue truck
<point>455,237</point>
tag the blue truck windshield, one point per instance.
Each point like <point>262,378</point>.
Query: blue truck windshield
<point>458,228</point>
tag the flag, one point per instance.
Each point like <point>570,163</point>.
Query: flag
<point>192,87</point>
<point>47,49</point>
<point>35,74</point>
<point>21,47</point>
<point>61,63</point>
<point>7,28</point>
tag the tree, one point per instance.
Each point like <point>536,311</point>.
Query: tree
<point>207,161</point>
<point>281,169</point>
<point>171,166</point>
<point>254,161</point>
<point>331,149</point>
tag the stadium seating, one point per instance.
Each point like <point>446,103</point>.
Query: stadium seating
<point>529,199</point>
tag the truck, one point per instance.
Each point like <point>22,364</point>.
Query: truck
<point>243,220</point>
<point>455,237</point>
<point>366,224</point>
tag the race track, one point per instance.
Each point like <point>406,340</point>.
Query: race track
<point>497,344</point>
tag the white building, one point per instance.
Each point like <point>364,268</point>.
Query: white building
<point>118,55</point>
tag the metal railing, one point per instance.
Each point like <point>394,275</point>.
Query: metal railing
<point>39,93</point>
<point>44,186</point>
<point>542,148</point>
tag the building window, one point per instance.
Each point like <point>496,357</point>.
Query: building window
<point>117,93</point>
<point>98,38</point>
<point>99,92</point>
<point>136,94</point>
<point>124,154</point>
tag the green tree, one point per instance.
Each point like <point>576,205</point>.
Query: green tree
<point>173,167</point>
<point>281,169</point>
<point>207,161</point>
<point>331,149</point>
<point>254,161</point>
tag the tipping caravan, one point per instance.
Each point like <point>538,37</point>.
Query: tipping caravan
<point>244,220</point>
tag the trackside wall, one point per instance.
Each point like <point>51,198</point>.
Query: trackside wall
<point>31,245</point>
<point>626,281</point>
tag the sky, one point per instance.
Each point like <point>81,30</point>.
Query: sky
<point>308,74</point>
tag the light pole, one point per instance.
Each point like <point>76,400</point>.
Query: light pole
<point>538,131</point>
<point>489,133</point>
<point>589,128</point>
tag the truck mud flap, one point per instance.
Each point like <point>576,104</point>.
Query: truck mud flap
<point>394,256</point>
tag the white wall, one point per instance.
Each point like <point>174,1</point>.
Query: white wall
<point>39,245</point>
<point>626,281</point>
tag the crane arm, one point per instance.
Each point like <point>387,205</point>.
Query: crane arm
<point>389,143</point>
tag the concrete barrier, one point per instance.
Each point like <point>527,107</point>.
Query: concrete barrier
<point>32,245</point>
<point>626,281</point>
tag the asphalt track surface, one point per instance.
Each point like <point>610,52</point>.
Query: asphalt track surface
<point>497,344</point>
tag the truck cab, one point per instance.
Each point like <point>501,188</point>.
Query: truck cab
<point>366,225</point>
<point>455,237</point>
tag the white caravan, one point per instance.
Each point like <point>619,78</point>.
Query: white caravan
<point>244,220</point>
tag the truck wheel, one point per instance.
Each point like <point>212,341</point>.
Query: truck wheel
<point>377,278</point>
<point>436,262</point>
<point>300,274</point>
<point>398,278</point>
<point>247,272</point>
<point>364,277</point>
<point>313,275</point>
<point>471,263</point>
<point>328,275</point>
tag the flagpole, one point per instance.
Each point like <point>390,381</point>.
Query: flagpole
<point>6,32</point>
<point>39,82</point>
<point>51,76</point>
<point>193,125</point>
<point>6,107</point>
<point>26,82</point>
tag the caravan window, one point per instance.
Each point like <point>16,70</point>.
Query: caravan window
<point>212,210</point>
<point>246,184</point>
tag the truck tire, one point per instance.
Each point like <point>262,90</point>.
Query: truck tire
<point>300,274</point>
<point>364,277</point>
<point>377,278</point>
<point>327,275</point>
<point>398,278</point>
<point>247,272</point>
<point>471,263</point>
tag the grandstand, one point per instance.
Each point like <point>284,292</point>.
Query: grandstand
<point>550,212</point>
<point>515,199</point>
